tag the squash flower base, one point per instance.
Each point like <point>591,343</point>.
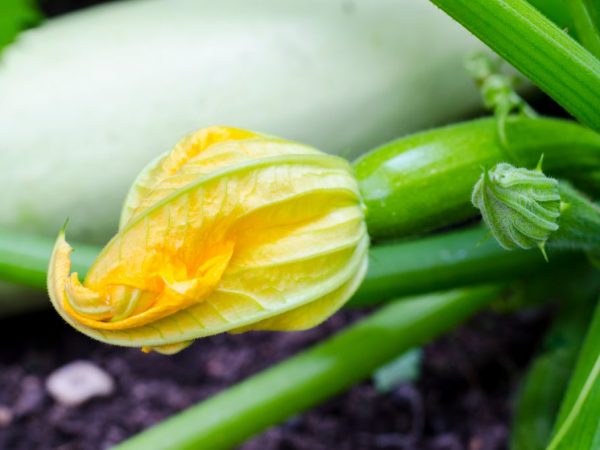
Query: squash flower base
<point>230,231</point>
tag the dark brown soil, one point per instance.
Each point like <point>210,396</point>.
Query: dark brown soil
<point>461,401</point>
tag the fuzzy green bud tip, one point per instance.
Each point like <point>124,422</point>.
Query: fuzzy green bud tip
<point>520,206</point>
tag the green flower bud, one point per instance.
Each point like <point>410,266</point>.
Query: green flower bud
<point>520,206</point>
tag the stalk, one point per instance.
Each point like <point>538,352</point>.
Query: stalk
<point>579,222</point>
<point>424,181</point>
<point>445,261</point>
<point>547,55</point>
<point>308,378</point>
<point>24,258</point>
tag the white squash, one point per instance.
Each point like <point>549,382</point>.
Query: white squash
<point>86,100</point>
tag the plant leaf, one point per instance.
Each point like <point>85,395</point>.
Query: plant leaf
<point>547,55</point>
<point>578,424</point>
<point>548,376</point>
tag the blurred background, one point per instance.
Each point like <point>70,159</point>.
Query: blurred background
<point>89,94</point>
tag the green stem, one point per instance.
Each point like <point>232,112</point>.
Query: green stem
<point>24,258</point>
<point>424,181</point>
<point>308,378</point>
<point>586,19</point>
<point>579,222</point>
<point>546,54</point>
<point>445,261</point>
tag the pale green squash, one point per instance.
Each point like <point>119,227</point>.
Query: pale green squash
<point>88,99</point>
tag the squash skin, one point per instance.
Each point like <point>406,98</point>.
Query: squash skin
<point>88,99</point>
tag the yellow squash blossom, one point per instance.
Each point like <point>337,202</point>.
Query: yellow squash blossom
<point>230,231</point>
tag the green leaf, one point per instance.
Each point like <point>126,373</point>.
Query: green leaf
<point>523,36</point>
<point>544,385</point>
<point>403,369</point>
<point>540,397</point>
<point>578,424</point>
<point>16,15</point>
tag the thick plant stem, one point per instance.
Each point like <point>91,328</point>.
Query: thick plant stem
<point>24,258</point>
<point>547,55</point>
<point>579,222</point>
<point>424,181</point>
<point>445,261</point>
<point>303,381</point>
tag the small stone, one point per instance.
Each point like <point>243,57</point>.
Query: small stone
<point>6,416</point>
<point>78,382</point>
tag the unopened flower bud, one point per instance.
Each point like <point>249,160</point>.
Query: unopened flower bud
<point>230,231</point>
<point>520,206</point>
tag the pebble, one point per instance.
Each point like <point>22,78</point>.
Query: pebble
<point>78,382</point>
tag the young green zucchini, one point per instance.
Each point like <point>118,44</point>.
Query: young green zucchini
<point>86,100</point>
<point>424,181</point>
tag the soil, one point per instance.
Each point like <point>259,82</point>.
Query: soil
<point>462,399</point>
